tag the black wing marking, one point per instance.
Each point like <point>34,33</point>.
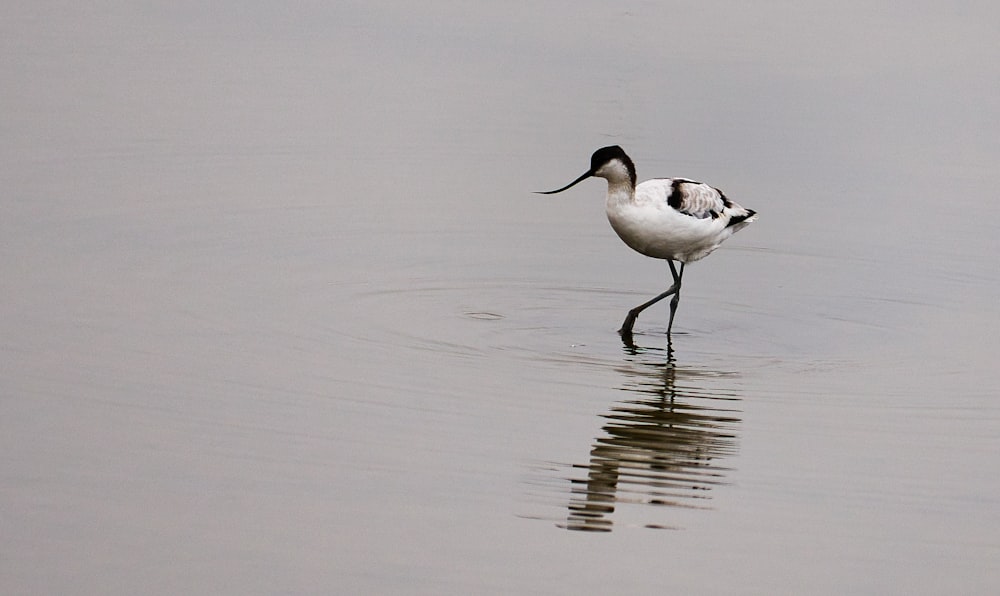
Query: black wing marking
<point>696,199</point>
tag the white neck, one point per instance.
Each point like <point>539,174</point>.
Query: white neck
<point>620,192</point>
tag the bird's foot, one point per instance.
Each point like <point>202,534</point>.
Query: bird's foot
<point>626,330</point>
<point>629,321</point>
<point>627,326</point>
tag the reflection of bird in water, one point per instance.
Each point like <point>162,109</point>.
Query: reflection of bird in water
<point>665,218</point>
<point>660,449</point>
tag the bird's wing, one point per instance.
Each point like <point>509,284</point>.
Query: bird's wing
<point>692,198</point>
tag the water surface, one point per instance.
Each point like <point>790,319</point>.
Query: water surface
<point>281,315</point>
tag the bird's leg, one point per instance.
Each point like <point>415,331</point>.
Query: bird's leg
<point>626,330</point>
<point>677,294</point>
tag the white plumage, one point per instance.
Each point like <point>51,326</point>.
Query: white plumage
<point>675,219</point>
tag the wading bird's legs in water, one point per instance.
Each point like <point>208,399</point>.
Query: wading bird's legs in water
<point>626,330</point>
<point>677,294</point>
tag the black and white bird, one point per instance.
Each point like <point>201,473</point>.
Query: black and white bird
<point>675,219</point>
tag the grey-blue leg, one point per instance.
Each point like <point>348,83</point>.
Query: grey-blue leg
<point>626,330</point>
<point>677,294</point>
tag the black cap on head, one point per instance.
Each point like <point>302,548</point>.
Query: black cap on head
<point>606,154</point>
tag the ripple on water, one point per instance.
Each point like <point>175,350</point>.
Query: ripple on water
<point>664,440</point>
<point>476,317</point>
<point>484,316</point>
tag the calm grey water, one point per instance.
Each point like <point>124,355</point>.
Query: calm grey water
<point>280,314</point>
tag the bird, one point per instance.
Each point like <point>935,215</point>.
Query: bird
<point>674,219</point>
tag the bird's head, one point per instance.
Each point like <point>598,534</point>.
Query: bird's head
<point>610,163</point>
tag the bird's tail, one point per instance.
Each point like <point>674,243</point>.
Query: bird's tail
<point>748,216</point>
